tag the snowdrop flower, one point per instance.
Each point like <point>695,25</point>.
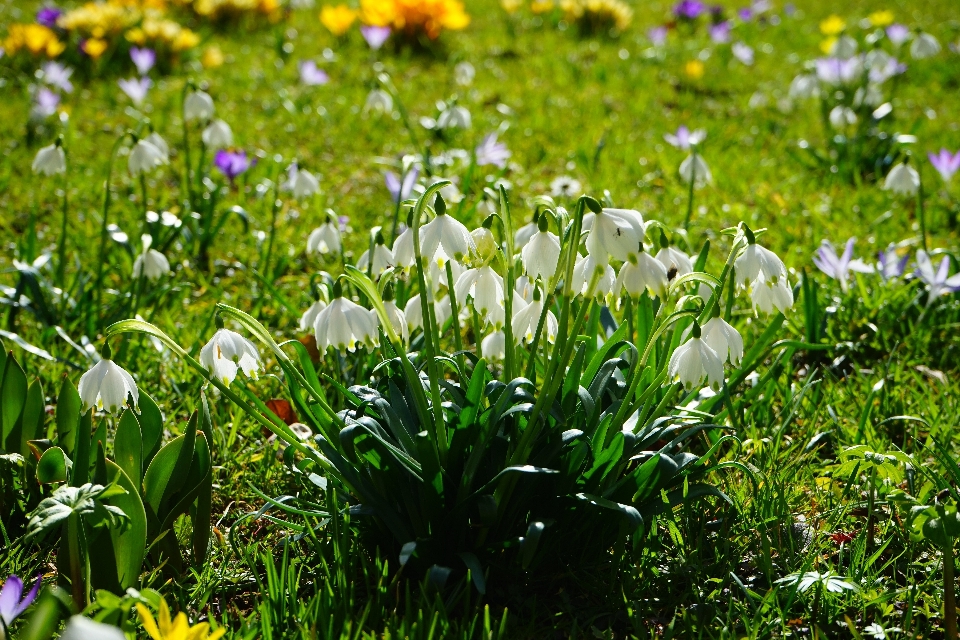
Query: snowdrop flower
<point>106,386</point>
<point>403,254</point>
<point>743,52</point>
<point>413,312</point>
<point>58,75</point>
<point>401,190</point>
<point>586,270</point>
<point>198,105</point>
<point>939,282</point>
<point>565,187</point>
<point>144,158</point>
<point>228,352</point>
<point>80,628</point>
<point>695,360</point>
<point>923,46</point>
<point>614,232</point>
<point>300,182</point>
<point>464,73</point>
<point>398,319</point>
<point>151,263</point>
<point>684,138</point>
<point>382,258</point>
<point>50,160</point>
<point>374,35</point>
<point>840,117</point>
<point>136,88</point>
<point>723,339</point>
<point>344,325</point>
<point>378,101</point>
<point>695,168</point>
<point>541,254</point>
<point>310,315</point>
<point>839,268</point>
<point>945,163</point>
<point>756,261</point>
<point>217,135</point>
<point>902,179</point>
<point>768,295</point>
<point>494,345</point>
<point>157,140</point>
<point>485,286</point>
<point>836,71</point>
<point>445,237</point>
<point>12,600</point>
<point>166,218</point>
<point>675,261</point>
<point>454,117</point>
<point>325,238</point>
<point>490,151</point>
<point>640,273</point>
<point>524,233</point>
<point>526,320</point>
<point>143,59</point>
<point>804,85</point>
<point>311,75</point>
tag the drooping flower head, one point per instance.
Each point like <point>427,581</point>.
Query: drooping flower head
<point>228,352</point>
<point>198,105</point>
<point>107,386</point>
<point>445,237</point>
<point>695,360</point>
<point>902,179</point>
<point>217,135</point>
<point>343,324</point>
<point>541,253</point>
<point>325,238</point>
<point>614,233</point>
<point>144,157</point>
<point>150,264</point>
<point>50,160</point>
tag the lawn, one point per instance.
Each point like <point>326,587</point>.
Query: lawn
<point>444,482</point>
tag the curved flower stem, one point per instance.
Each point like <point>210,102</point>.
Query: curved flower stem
<point>509,347</point>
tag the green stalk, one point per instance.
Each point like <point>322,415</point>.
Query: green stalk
<point>98,281</point>
<point>76,568</point>
<point>273,229</point>
<point>455,309</point>
<point>922,216</point>
<point>949,590</point>
<point>693,181</point>
<point>62,249</point>
<point>187,177</point>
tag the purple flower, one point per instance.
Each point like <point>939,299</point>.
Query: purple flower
<point>375,36</point>
<point>48,16</point>
<point>12,600</point>
<point>342,222</point>
<point>401,191</point>
<point>684,138</point>
<point>745,14</point>
<point>143,58</point>
<point>939,282</point>
<point>887,69</point>
<point>231,163</point>
<point>720,32</point>
<point>689,9</point>
<point>490,151</point>
<point>890,266</point>
<point>898,33</point>
<point>742,52</point>
<point>311,75</point>
<point>136,88</point>
<point>837,70</point>
<point>658,36</point>
<point>839,267</point>
<point>945,163</point>
<point>45,103</point>
<point>58,75</point>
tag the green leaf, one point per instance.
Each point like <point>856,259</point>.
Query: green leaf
<point>128,446</point>
<point>151,428</point>
<point>13,395</point>
<point>31,425</point>
<point>630,514</point>
<point>52,512</point>
<point>529,543</point>
<point>81,457</point>
<point>129,543</point>
<point>53,466</point>
<point>69,407</point>
<point>201,519</point>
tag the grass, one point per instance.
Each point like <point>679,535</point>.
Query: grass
<point>594,109</point>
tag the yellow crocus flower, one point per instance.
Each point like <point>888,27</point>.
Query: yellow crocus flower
<point>693,69</point>
<point>178,628</point>
<point>881,18</point>
<point>95,47</point>
<point>832,25</point>
<point>337,19</point>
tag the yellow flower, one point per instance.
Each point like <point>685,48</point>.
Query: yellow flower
<point>598,15</point>
<point>136,36</point>
<point>542,6</point>
<point>35,38</point>
<point>415,17</point>
<point>693,69</point>
<point>832,25</point>
<point>881,18</point>
<point>212,57</point>
<point>511,6</point>
<point>827,45</point>
<point>337,19</point>
<point>184,40</point>
<point>177,629</point>
<point>94,47</point>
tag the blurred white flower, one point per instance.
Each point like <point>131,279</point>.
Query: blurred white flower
<point>464,73</point>
<point>923,46</point>
<point>106,386</point>
<point>413,312</point>
<point>844,47</point>
<point>805,85</point>
<point>150,264</point>
<point>494,345</point>
<point>841,117</point>
<point>695,168</point>
<point>641,272</point>
<point>685,138</point>
<point>378,101</point>
<point>300,182</point>
<point>695,360</point>
<point>723,339</point>
<point>676,262</point>
<point>382,259</point>
<point>136,88</point>
<point>50,160</point>
<point>769,295</point>
<point>217,135</point>
<point>614,232</point>
<point>228,352</point>
<point>742,52</point>
<point>144,158</point>
<point>398,319</point>
<point>590,267</point>
<point>198,105</point>
<point>310,315</point>
<point>443,238</point>
<point>523,235</point>
<point>157,140</point>
<point>454,117</point>
<point>540,255</point>
<point>80,628</point>
<point>565,187</point>
<point>325,238</point>
<point>902,179</point>
<point>344,325</point>
<point>403,254</point>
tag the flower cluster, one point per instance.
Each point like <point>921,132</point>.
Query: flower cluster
<point>598,16</point>
<point>415,18</point>
<point>232,10</point>
<point>35,39</point>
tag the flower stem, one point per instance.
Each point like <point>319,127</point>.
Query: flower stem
<point>693,181</point>
<point>62,249</point>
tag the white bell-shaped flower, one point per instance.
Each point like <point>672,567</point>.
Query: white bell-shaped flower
<point>923,46</point>
<point>755,261</point>
<point>523,235</point>
<point>228,352</point>
<point>454,117</point>
<point>527,319</point>
<point>157,140</point>
<point>198,105</point>
<point>540,255</point>
<point>413,312</point>
<point>902,179</point>
<point>378,101</point>
<point>403,253</point>
<point>768,295</point>
<point>677,262</point>
<point>695,168</point>
<point>106,386</point>
<point>325,238</point>
<point>50,160</point>
<point>724,339</point>
<point>344,324</point>
<point>398,319</point>
<point>640,273</point>
<point>614,232</point>
<point>310,315</point>
<point>150,264</point>
<point>301,183</point>
<point>144,158</point>
<point>841,117</point>
<point>485,286</point>
<point>589,269</point>
<point>382,260</point>
<point>695,360</point>
<point>217,135</point>
<point>445,237</point>
<point>494,345</point>
<point>80,628</point>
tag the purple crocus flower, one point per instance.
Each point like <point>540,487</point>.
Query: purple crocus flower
<point>838,71</point>
<point>342,223</point>
<point>58,75</point>
<point>490,151</point>
<point>945,163</point>
<point>12,600</point>
<point>839,267</point>
<point>883,72</point>
<point>891,266</point>
<point>231,163</point>
<point>375,36</point>
<point>939,282</point>
<point>898,33</point>
<point>658,36</point>
<point>400,191</point>
<point>311,75</point>
<point>136,88</point>
<point>45,103</point>
<point>684,138</point>
<point>745,14</point>
<point>143,58</point>
<point>720,32</point>
<point>689,9</point>
<point>48,16</point>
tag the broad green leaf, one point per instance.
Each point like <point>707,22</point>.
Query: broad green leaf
<point>201,520</point>
<point>31,426</point>
<point>81,457</point>
<point>130,543</point>
<point>69,407</point>
<point>53,466</point>
<point>52,512</point>
<point>13,395</point>
<point>151,427</point>
<point>128,446</point>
